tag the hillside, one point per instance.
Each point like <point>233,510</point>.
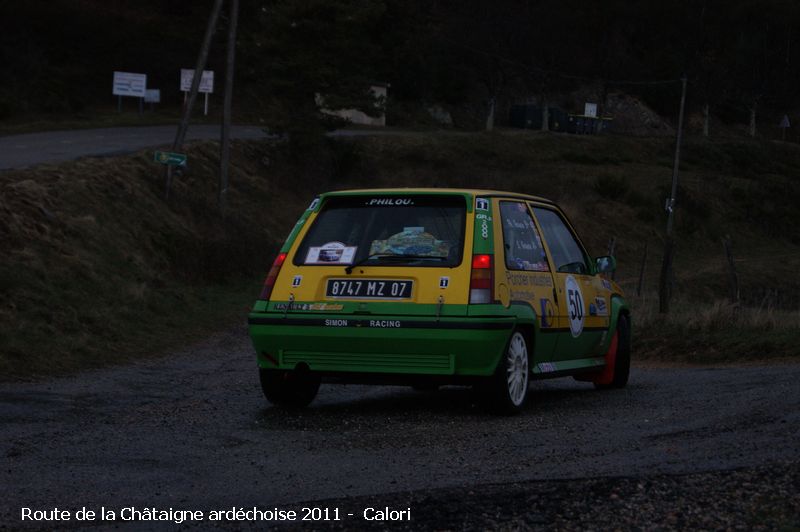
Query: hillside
<point>97,268</point>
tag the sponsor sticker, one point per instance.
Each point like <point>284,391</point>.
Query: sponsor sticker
<point>297,280</point>
<point>292,306</point>
<point>385,324</point>
<point>331,253</point>
<point>313,204</point>
<point>546,367</point>
<point>547,314</point>
<point>317,307</point>
<point>606,284</point>
<point>525,279</point>
<point>481,204</point>
<point>444,282</point>
<point>325,307</point>
<point>602,308</point>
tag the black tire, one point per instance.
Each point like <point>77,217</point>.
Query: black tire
<point>293,389</point>
<point>507,389</point>
<point>622,362</point>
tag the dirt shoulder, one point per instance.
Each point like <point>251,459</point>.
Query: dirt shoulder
<point>759,498</point>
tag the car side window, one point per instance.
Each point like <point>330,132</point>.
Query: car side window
<point>567,254</point>
<point>523,247</point>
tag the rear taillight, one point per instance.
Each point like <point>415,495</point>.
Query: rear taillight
<point>269,282</point>
<point>481,283</point>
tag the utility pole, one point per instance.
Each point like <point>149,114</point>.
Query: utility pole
<point>198,73</point>
<point>664,289</point>
<point>226,108</point>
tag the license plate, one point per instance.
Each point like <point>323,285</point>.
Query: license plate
<point>369,288</point>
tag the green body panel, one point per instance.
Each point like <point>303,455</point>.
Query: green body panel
<point>523,314</point>
<point>398,344</point>
<point>430,348</point>
<point>594,342</point>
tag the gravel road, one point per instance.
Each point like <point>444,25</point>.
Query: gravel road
<point>29,149</point>
<point>20,151</point>
<point>700,447</point>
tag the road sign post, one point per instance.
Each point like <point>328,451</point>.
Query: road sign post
<point>170,158</point>
<point>129,84</point>
<point>206,85</point>
<point>784,125</point>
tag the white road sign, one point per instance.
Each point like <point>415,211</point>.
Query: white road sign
<point>129,84</point>
<point>206,80</point>
<point>152,96</point>
<point>590,109</point>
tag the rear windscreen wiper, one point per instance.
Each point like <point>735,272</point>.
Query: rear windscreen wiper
<point>390,256</point>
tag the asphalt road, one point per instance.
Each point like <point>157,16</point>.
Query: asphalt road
<point>20,151</point>
<point>192,431</point>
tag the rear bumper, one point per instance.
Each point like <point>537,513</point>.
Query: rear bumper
<point>409,345</point>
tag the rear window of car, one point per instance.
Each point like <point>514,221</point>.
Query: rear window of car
<point>386,230</point>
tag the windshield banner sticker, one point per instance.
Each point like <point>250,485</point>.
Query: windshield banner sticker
<point>411,241</point>
<point>389,202</point>
<point>331,253</point>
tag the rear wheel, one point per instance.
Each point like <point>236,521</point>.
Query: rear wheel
<point>618,358</point>
<point>508,387</point>
<point>295,388</point>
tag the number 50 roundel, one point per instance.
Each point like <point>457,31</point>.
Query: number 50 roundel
<point>575,311</point>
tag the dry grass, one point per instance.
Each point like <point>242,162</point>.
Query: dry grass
<point>715,332</point>
<point>97,268</point>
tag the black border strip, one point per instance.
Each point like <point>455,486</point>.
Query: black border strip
<point>364,323</point>
<point>567,329</point>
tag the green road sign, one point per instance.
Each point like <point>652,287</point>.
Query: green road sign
<point>170,158</point>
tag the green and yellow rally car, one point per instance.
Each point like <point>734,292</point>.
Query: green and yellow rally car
<point>437,286</point>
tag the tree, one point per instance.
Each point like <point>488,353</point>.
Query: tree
<point>295,52</point>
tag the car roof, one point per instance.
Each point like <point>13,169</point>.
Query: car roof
<point>462,191</point>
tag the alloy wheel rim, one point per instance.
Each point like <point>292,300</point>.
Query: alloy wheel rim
<point>517,369</point>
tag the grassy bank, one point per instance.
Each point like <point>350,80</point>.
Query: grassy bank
<point>98,268</point>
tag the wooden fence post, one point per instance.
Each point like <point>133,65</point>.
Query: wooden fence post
<point>733,278</point>
<point>611,245</point>
<point>641,271</point>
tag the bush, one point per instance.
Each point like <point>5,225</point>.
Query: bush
<point>611,187</point>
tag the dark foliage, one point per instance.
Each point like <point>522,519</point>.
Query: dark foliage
<point>58,55</point>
